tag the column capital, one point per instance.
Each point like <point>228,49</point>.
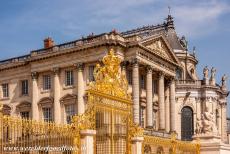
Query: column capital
<point>134,61</point>
<point>161,74</point>
<point>79,66</point>
<point>56,70</point>
<point>124,64</point>
<point>149,69</point>
<point>171,80</point>
<point>34,75</point>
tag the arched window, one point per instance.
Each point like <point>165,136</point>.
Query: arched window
<point>186,123</point>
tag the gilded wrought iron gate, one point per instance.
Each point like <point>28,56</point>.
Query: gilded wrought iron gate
<point>112,124</point>
<point>109,97</point>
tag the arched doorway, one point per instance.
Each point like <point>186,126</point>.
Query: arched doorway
<point>186,123</point>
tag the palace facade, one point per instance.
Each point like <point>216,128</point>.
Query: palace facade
<point>168,96</point>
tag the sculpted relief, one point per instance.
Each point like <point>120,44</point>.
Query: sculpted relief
<point>206,125</point>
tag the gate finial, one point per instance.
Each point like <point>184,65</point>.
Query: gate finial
<point>108,77</point>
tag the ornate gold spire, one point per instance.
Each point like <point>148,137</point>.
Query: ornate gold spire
<point>108,78</point>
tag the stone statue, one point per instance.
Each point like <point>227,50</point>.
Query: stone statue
<point>198,126</point>
<point>213,73</point>
<point>224,81</point>
<point>213,77</point>
<point>208,122</point>
<point>205,72</point>
<point>184,42</point>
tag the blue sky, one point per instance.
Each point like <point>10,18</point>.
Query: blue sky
<point>205,23</point>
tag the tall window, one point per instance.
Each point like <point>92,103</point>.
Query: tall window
<point>142,82</point>
<point>47,114</point>
<point>25,86</point>
<point>70,112</point>
<point>91,71</point>
<point>142,118</point>
<point>25,115</point>
<point>129,77</point>
<point>69,78</point>
<point>46,82</point>
<point>5,90</point>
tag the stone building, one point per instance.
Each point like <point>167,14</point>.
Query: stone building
<point>49,84</point>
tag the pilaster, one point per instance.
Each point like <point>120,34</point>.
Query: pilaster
<point>57,106</point>
<point>35,111</point>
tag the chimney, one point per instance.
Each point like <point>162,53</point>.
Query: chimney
<point>48,42</point>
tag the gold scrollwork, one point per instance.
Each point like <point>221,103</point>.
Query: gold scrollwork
<point>109,79</point>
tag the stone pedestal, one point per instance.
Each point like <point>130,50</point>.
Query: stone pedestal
<point>211,144</point>
<point>137,145</point>
<point>87,142</point>
<point>207,138</point>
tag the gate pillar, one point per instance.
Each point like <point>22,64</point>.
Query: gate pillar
<point>87,141</point>
<point>137,145</point>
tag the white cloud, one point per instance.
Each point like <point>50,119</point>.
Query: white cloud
<point>199,19</point>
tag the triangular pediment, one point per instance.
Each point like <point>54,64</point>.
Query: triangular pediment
<point>160,46</point>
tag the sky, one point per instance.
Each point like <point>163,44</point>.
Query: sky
<point>205,23</point>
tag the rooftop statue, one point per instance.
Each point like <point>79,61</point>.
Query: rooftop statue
<point>224,81</point>
<point>184,42</point>
<point>205,72</point>
<point>213,73</point>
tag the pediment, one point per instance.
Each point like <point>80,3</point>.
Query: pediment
<point>160,46</point>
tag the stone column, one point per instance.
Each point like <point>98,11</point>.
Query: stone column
<point>149,97</point>
<point>137,145</point>
<point>80,89</point>
<point>172,106</point>
<point>161,98</point>
<point>135,91</point>
<point>35,111</point>
<point>224,122</point>
<point>57,106</point>
<point>87,141</point>
<point>167,111</point>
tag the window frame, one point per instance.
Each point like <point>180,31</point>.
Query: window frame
<point>5,90</point>
<point>24,87</point>
<point>49,117</point>
<point>46,85</point>
<point>91,70</point>
<point>69,78</point>
<point>70,111</point>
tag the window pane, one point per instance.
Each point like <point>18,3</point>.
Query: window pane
<point>46,82</point>
<point>70,112</point>
<point>25,87</point>
<point>5,90</point>
<point>24,115</point>
<point>47,114</point>
<point>69,78</point>
<point>91,73</point>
